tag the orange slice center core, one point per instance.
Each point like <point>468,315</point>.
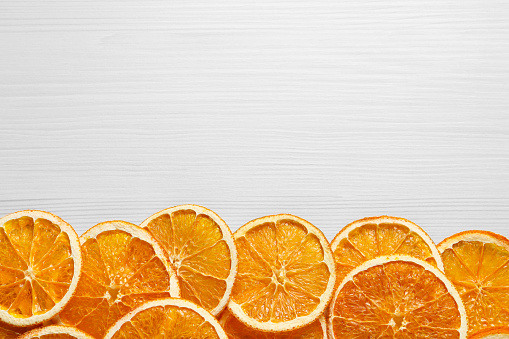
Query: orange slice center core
<point>398,322</point>
<point>29,273</point>
<point>279,276</point>
<point>113,294</point>
<point>177,261</point>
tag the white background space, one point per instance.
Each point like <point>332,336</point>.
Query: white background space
<point>329,110</point>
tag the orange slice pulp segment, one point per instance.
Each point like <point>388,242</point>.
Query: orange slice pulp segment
<point>6,332</point>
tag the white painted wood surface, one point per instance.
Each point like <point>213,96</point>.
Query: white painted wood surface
<point>330,110</point>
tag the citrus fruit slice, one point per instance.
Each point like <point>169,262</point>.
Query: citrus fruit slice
<point>56,332</point>
<point>368,238</point>
<point>123,266</point>
<point>396,296</point>
<point>40,263</point>
<point>492,333</point>
<point>200,245</point>
<point>477,263</point>
<point>167,318</point>
<point>286,273</point>
<point>236,330</point>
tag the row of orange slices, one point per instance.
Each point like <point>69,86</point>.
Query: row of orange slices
<point>183,274</point>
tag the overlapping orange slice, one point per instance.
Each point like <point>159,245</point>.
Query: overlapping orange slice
<point>397,297</point>
<point>477,263</point>
<point>167,318</point>
<point>368,238</point>
<point>123,266</point>
<point>200,245</point>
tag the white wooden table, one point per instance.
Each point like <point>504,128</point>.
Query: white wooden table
<point>330,110</point>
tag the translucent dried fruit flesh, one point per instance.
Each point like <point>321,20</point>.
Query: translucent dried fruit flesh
<point>55,336</point>
<point>194,244</point>
<point>376,239</point>
<point>7,333</point>
<point>282,274</point>
<point>36,266</point>
<point>119,273</point>
<point>169,321</point>
<point>480,273</point>
<point>396,299</point>
<point>237,330</point>
<point>499,332</point>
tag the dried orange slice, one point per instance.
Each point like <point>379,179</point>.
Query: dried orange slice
<point>167,318</point>
<point>492,333</point>
<point>477,263</point>
<point>237,330</point>
<point>200,245</point>
<point>56,332</point>
<point>368,238</point>
<point>40,263</point>
<point>396,296</point>
<point>123,266</point>
<point>286,273</point>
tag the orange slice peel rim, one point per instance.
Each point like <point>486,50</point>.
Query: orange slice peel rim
<point>474,235</point>
<point>55,329</point>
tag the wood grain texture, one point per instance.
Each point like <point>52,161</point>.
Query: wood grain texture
<point>330,110</point>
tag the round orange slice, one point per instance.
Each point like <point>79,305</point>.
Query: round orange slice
<point>40,264</point>
<point>286,273</point>
<point>492,333</point>
<point>368,238</point>
<point>56,332</point>
<point>477,263</point>
<point>237,330</point>
<point>396,296</point>
<point>167,318</point>
<point>200,245</point>
<point>123,266</point>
